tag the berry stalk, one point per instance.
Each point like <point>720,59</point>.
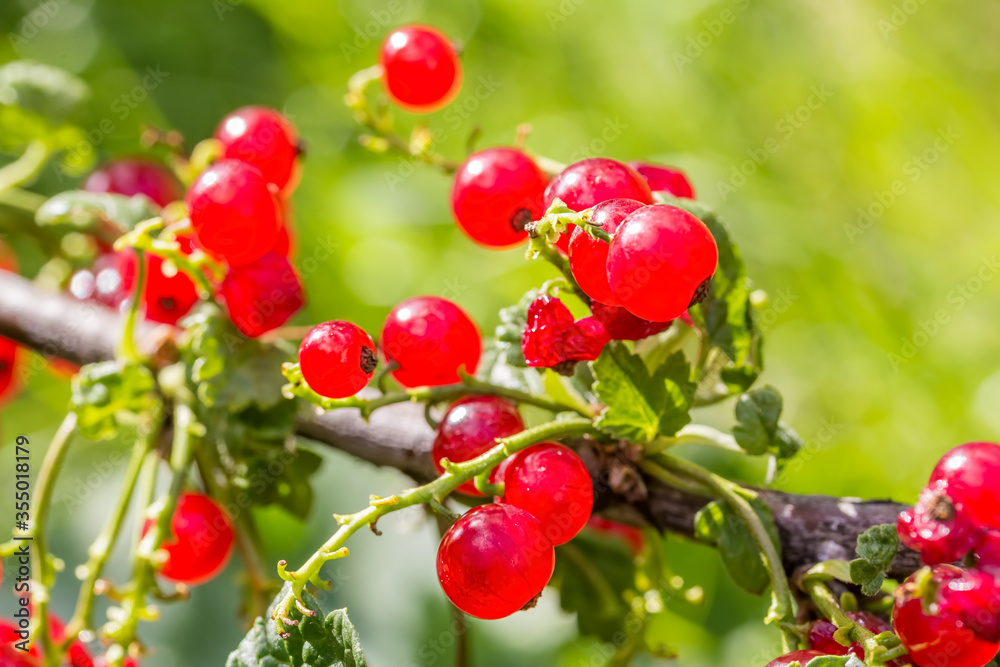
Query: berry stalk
<point>453,477</point>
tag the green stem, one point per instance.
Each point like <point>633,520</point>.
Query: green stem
<point>24,201</point>
<point>127,350</point>
<point>51,465</point>
<point>783,609</point>
<point>25,168</point>
<point>453,477</point>
<point>605,594</point>
<point>657,471</point>
<point>876,652</point>
<point>469,385</point>
<point>697,434</point>
<point>100,550</point>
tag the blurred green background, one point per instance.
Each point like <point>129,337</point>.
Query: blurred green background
<point>852,146</point>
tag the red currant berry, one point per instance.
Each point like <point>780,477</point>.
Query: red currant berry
<point>421,71</point>
<point>821,635</point>
<point>552,339</point>
<point>77,654</point>
<point>200,542</point>
<point>988,551</point>
<point>938,528</point>
<point>660,262</point>
<point>973,598</point>
<point>671,180</point>
<point>286,244</point>
<point>262,295</point>
<point>9,354</point>
<point>801,658</point>
<point>588,257</point>
<point>623,325</point>
<point>337,359</point>
<point>494,561</point>
<point>972,472</point>
<point>10,655</point>
<point>631,535</point>
<point>430,340</point>
<point>937,637</point>
<point>233,212</point>
<point>264,138</point>
<point>470,428</point>
<point>496,193</point>
<point>550,482</point>
<point>168,295</point>
<point>131,176</point>
<point>589,182</point>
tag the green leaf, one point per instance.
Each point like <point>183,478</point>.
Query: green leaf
<point>592,573</point>
<point>95,211</point>
<point>109,395</point>
<point>640,406</point>
<point>759,429</point>
<point>508,334</point>
<point>719,525</point>
<point>50,92</point>
<point>877,547</point>
<point>329,641</point>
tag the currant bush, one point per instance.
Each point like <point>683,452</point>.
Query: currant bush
<point>470,427</point>
<point>132,176</point>
<point>421,70</point>
<point>428,340</point>
<point>497,192</point>
<point>264,138</point>
<point>588,256</point>
<point>200,542</point>
<point>233,211</point>
<point>494,561</point>
<point>337,359</point>
<point>262,295</point>
<point>660,262</point>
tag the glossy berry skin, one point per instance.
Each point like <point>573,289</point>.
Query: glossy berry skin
<point>430,339</point>
<point>497,192</point>
<point>200,542</point>
<point>550,482</point>
<point>167,295</point>
<point>262,295</point>
<point>671,180</point>
<point>9,354</point>
<point>133,176</point>
<point>937,527</point>
<point>233,212</point>
<point>660,262</point>
<point>988,551</point>
<point>421,70</point>
<point>631,535</point>
<point>494,560</point>
<point>264,138</point>
<point>471,427</point>
<point>589,182</point>
<point>974,598</point>
<point>337,359</point>
<point>623,325</point>
<point>972,473</point>
<point>939,637</point>
<point>552,339</point>
<point>588,257</point>
<point>800,657</point>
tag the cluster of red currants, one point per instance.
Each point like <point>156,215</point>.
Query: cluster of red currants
<point>239,214</point>
<point>77,654</point>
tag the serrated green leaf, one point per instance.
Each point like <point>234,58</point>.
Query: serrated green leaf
<point>95,210</point>
<point>508,334</point>
<point>877,547</point>
<point>108,395</point>
<point>719,525</point>
<point>329,641</point>
<point>641,407</point>
<point>592,573</point>
<point>759,429</point>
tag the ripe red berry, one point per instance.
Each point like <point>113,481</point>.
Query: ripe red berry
<point>671,180</point>
<point>337,359</point>
<point>262,295</point>
<point>430,339</point>
<point>233,212</point>
<point>972,473</point>
<point>200,542</point>
<point>9,354</point>
<point>589,182</point>
<point>494,561</point>
<point>552,339</point>
<point>168,295</point>
<point>631,535</point>
<point>264,138</point>
<point>497,192</point>
<point>286,244</point>
<point>800,657</point>
<point>77,654</point>
<point>588,257</point>
<point>471,427</point>
<point>660,262</point>
<point>132,176</point>
<point>421,71</point>
<point>937,636</point>
<point>623,325</point>
<point>821,636</point>
<point>11,656</point>
<point>550,482</point>
<point>988,551</point>
<point>973,598</point>
<point>937,527</point>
